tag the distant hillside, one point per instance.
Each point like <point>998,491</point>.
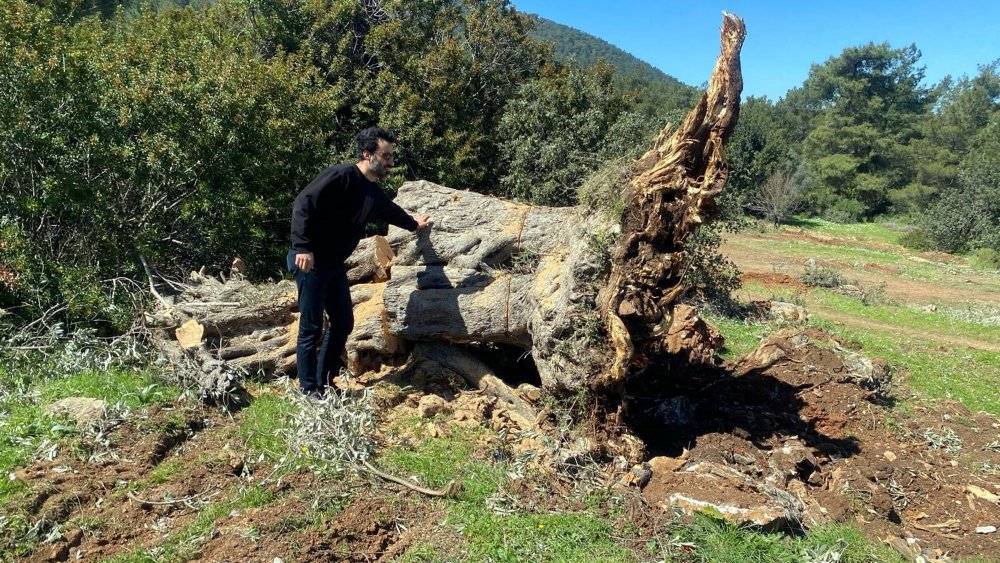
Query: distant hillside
<point>659,92</point>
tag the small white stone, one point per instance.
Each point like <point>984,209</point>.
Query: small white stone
<point>986,529</point>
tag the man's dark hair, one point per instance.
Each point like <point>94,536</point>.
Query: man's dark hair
<point>368,139</point>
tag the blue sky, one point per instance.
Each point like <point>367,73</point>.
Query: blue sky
<point>784,38</point>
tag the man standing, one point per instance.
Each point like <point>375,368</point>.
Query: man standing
<point>328,221</point>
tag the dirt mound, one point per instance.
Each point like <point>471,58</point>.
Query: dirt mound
<point>805,435</point>
<point>773,279</point>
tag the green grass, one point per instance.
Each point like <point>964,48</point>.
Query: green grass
<point>934,371</point>
<point>185,544</point>
<point>262,423</point>
<point>931,324</point>
<point>879,232</point>
<point>707,539</point>
<point>24,423</point>
<point>165,471</point>
<point>580,536</point>
<point>521,536</point>
<point>132,388</point>
<point>742,337</point>
<point>586,534</point>
<point>802,250</point>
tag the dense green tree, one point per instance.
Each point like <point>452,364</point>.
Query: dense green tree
<point>163,136</point>
<point>862,109</point>
<point>967,215</point>
<point>956,128</point>
<point>438,71</point>
<point>561,127</point>
<point>757,149</point>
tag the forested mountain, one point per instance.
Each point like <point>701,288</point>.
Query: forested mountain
<point>655,88</point>
<point>586,49</point>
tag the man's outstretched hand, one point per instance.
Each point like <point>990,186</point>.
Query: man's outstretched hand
<point>304,262</point>
<point>424,221</point>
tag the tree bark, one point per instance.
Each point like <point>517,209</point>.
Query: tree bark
<point>671,195</point>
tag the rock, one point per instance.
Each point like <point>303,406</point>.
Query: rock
<point>82,410</point>
<point>727,493</point>
<point>791,461</point>
<point>638,476</point>
<point>762,516</point>
<point>788,312</point>
<point>867,373</point>
<point>986,529</point>
<point>432,405</point>
<point>664,464</point>
<point>889,456</point>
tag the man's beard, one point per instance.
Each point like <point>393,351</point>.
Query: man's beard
<point>378,168</point>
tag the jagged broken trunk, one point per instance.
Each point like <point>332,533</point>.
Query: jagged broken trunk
<point>534,280</point>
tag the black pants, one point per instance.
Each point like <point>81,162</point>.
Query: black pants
<point>324,288</point>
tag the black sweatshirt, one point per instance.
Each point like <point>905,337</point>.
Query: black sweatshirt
<point>329,215</point>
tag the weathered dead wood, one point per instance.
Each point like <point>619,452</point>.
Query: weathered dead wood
<point>672,193</point>
<point>490,271</point>
<point>370,261</point>
<point>244,329</point>
<point>442,361</point>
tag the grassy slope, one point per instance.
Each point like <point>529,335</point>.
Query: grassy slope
<point>950,352</point>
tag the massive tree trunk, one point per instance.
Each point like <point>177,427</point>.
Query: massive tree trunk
<point>496,272</point>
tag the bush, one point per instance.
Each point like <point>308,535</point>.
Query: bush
<point>988,257</point>
<point>821,276</point>
<point>560,128</point>
<point>163,135</point>
<point>917,239</point>
<point>967,216</point>
<point>844,211</point>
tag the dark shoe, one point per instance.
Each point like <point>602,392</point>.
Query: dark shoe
<point>314,394</point>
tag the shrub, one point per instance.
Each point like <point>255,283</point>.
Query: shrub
<point>821,276</point>
<point>844,211</point>
<point>164,135</point>
<point>917,239</point>
<point>988,257</point>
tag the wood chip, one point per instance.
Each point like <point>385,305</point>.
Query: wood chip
<point>982,493</point>
<point>189,334</point>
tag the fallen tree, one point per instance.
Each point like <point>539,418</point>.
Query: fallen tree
<point>492,272</point>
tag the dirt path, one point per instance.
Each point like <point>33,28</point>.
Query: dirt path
<point>937,337</point>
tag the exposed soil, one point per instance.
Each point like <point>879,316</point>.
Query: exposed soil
<point>803,424</point>
<point>954,286</point>
<point>796,431</point>
<point>773,279</point>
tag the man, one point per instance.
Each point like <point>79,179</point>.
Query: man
<point>328,221</point>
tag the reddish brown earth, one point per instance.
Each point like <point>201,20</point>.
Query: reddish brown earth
<point>790,417</point>
<point>956,285</point>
